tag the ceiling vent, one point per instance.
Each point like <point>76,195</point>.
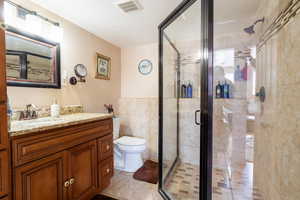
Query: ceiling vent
<point>129,5</point>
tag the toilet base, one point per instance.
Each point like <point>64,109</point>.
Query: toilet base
<point>129,162</point>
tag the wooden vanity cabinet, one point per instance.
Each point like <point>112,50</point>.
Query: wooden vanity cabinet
<point>5,172</point>
<point>73,172</point>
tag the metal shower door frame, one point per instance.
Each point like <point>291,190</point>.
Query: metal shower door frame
<point>206,134</point>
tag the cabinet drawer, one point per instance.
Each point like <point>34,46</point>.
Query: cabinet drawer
<point>106,171</point>
<point>105,147</point>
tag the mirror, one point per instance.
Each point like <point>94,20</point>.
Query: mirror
<point>31,61</point>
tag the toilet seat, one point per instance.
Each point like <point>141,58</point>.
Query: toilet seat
<point>130,141</point>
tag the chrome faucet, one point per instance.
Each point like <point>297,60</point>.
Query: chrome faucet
<point>29,113</point>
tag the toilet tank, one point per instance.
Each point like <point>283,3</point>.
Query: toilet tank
<point>116,127</point>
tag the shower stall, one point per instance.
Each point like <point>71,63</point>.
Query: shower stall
<point>185,101</point>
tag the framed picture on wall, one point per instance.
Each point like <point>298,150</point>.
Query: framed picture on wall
<point>103,67</point>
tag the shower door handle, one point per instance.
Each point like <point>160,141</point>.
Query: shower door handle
<point>196,117</point>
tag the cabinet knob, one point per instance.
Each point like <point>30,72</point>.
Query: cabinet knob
<point>107,170</point>
<point>67,184</point>
<point>107,147</point>
<point>72,181</point>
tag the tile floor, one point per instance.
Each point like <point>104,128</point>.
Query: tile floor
<point>184,182</point>
<point>183,185</point>
<point>124,187</point>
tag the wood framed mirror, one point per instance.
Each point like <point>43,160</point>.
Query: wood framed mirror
<point>31,61</point>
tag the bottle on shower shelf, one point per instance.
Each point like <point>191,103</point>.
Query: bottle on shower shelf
<point>183,90</point>
<point>237,73</point>
<point>189,90</point>
<point>244,72</point>
<point>222,90</point>
<point>218,90</point>
<point>226,90</point>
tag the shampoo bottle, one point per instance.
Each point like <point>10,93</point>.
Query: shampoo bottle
<point>245,73</point>
<point>222,90</point>
<point>183,90</point>
<point>190,90</point>
<point>218,90</point>
<point>226,90</point>
<point>237,73</point>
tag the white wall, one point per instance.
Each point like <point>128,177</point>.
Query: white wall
<point>78,46</point>
<point>134,84</point>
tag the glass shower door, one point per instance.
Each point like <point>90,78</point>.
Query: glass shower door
<point>185,102</point>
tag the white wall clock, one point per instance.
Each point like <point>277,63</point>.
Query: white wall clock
<point>145,67</point>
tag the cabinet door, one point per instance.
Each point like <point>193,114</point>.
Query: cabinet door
<point>41,180</point>
<point>83,171</point>
<point>3,127</point>
<point>3,173</point>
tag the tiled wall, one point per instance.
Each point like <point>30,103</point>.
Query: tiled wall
<point>230,135</point>
<point>139,118</point>
<point>277,128</point>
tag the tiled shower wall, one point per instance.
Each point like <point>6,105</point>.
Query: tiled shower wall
<point>277,128</point>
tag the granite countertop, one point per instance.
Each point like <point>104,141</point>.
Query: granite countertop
<point>46,123</point>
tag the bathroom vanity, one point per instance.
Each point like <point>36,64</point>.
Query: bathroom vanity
<point>70,157</point>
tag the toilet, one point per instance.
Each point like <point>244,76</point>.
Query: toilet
<point>128,152</point>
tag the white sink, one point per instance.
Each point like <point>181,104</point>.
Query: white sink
<point>39,122</point>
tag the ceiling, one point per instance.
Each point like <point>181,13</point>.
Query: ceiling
<point>107,21</point>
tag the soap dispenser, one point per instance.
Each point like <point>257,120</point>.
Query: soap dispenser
<point>55,109</point>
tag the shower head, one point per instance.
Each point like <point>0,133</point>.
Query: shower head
<point>250,30</point>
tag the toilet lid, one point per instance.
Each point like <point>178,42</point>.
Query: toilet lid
<point>130,141</point>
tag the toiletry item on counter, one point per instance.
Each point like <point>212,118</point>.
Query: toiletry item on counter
<point>189,90</point>
<point>55,109</point>
<point>183,90</point>
<point>218,90</point>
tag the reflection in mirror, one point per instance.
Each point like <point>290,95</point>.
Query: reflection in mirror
<point>31,61</point>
